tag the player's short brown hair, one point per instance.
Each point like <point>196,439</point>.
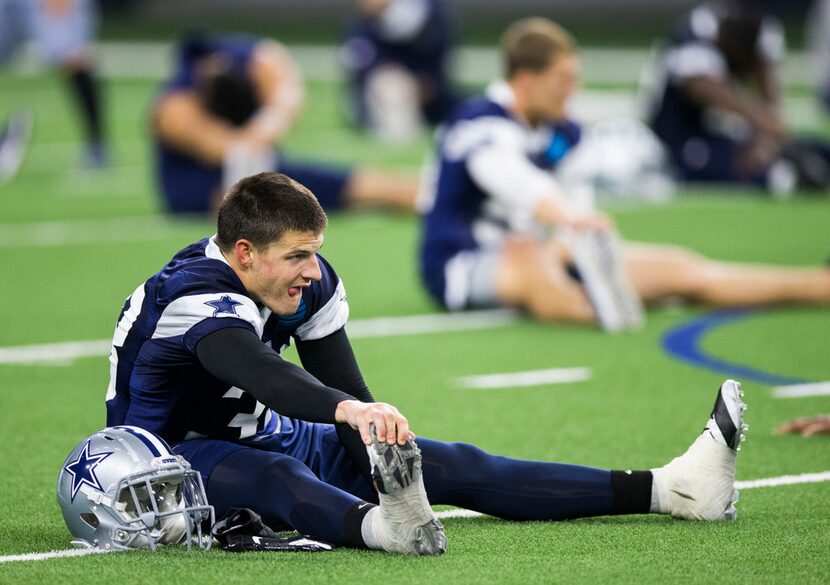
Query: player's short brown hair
<point>532,44</point>
<point>261,208</point>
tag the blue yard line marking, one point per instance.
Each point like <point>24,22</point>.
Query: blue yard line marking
<point>684,343</point>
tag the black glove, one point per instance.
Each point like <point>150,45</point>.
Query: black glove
<point>241,529</point>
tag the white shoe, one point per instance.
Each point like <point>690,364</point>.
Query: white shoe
<point>407,523</point>
<point>598,258</point>
<point>13,138</point>
<point>700,484</point>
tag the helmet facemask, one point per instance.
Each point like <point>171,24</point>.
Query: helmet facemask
<point>166,506</point>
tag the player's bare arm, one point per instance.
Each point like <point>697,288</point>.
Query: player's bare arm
<point>182,122</point>
<point>279,86</point>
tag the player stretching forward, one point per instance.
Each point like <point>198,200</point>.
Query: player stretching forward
<point>223,113</point>
<point>485,240</point>
<point>196,360</point>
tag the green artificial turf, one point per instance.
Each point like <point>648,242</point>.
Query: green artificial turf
<point>75,243</point>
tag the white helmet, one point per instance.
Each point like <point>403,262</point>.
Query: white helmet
<point>123,488</point>
<point>621,159</point>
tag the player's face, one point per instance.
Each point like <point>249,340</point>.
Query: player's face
<point>279,273</point>
<point>551,89</point>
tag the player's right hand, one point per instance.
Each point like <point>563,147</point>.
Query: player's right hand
<point>391,426</point>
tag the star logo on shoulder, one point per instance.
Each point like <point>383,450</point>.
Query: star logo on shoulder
<point>82,470</point>
<point>224,304</point>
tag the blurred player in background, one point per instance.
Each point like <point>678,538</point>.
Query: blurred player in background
<point>716,103</point>
<point>230,103</point>
<point>809,426</point>
<point>818,34</point>
<point>63,32</point>
<point>486,238</point>
<point>397,56</point>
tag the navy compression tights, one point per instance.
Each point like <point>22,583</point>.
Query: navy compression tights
<point>284,491</point>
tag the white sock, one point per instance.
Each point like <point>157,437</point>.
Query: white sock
<point>659,497</point>
<point>369,528</point>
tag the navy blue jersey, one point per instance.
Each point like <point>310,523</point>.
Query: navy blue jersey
<point>492,169</point>
<point>156,380</point>
<point>188,183</point>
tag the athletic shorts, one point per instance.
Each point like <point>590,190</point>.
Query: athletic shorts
<point>314,444</point>
<point>470,280</point>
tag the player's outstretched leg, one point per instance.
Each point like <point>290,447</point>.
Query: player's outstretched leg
<point>404,522</point>
<point>700,484</point>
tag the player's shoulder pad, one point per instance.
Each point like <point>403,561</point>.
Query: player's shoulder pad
<point>193,287</point>
<point>482,123</point>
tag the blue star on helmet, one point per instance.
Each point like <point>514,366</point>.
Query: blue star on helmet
<point>224,304</point>
<point>82,470</point>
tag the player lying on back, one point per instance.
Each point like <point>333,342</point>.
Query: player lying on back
<point>503,232</point>
<point>196,360</point>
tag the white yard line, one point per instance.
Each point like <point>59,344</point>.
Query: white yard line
<point>55,554</point>
<point>524,379</point>
<point>802,390</point>
<point>63,353</point>
<point>783,480</point>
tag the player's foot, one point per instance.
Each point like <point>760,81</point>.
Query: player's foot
<point>599,260</point>
<point>700,484</point>
<point>96,156</point>
<point>407,523</point>
<point>13,138</point>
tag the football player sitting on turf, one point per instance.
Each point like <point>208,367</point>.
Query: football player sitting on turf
<point>196,361</point>
<point>485,240</point>
<point>397,57</point>
<point>716,103</point>
<point>222,116</point>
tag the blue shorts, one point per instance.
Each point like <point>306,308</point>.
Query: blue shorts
<point>314,444</point>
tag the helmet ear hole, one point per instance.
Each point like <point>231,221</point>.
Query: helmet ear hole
<point>91,519</point>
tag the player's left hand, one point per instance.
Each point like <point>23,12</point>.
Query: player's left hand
<point>391,426</point>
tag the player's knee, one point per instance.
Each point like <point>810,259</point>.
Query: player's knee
<point>688,267</point>
<point>554,305</point>
<point>283,471</point>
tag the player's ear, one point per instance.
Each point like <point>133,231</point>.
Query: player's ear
<point>244,252</point>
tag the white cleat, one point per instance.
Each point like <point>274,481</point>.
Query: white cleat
<point>700,484</point>
<point>598,258</point>
<point>13,139</point>
<point>408,524</point>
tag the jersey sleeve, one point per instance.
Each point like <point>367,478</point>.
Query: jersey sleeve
<point>497,161</point>
<point>200,300</point>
